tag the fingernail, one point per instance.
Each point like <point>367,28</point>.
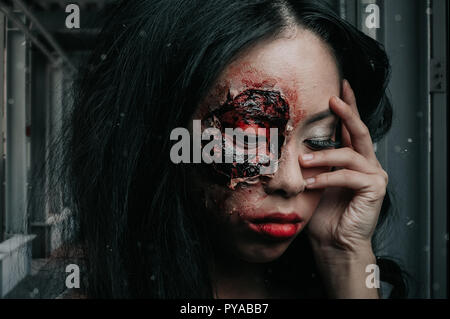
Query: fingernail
<point>335,97</point>
<point>338,100</point>
<point>307,157</point>
<point>310,181</point>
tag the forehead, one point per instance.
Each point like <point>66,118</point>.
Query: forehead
<point>298,64</point>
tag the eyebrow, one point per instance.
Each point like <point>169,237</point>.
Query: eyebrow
<point>319,116</point>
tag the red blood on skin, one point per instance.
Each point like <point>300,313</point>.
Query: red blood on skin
<point>243,76</point>
<point>253,80</point>
<point>257,109</point>
<point>269,83</point>
<point>252,108</point>
<point>251,77</point>
<point>298,115</point>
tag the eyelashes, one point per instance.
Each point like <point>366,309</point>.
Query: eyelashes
<point>318,145</point>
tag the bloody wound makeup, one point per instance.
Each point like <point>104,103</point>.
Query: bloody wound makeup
<point>257,109</point>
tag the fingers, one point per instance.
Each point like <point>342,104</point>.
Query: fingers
<point>349,98</point>
<point>374,185</point>
<point>346,140</point>
<point>343,157</point>
<point>358,131</point>
<point>361,170</point>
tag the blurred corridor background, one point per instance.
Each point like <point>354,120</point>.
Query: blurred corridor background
<point>40,53</point>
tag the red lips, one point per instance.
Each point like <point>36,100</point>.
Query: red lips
<point>276,225</point>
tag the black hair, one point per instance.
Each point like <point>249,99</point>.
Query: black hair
<point>154,61</point>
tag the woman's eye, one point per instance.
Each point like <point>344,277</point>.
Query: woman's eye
<point>322,144</point>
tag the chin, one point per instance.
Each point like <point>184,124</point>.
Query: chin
<point>263,253</point>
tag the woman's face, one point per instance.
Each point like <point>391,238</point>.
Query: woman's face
<point>286,84</point>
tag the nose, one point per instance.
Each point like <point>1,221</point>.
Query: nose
<point>288,179</point>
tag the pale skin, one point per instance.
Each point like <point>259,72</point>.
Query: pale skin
<point>340,207</point>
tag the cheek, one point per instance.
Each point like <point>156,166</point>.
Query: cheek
<point>309,202</point>
<point>226,205</point>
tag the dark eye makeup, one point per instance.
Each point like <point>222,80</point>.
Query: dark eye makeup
<point>318,144</point>
<point>326,142</point>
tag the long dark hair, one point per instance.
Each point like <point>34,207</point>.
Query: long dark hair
<point>154,61</point>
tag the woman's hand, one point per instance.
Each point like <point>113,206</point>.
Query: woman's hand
<point>342,226</point>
